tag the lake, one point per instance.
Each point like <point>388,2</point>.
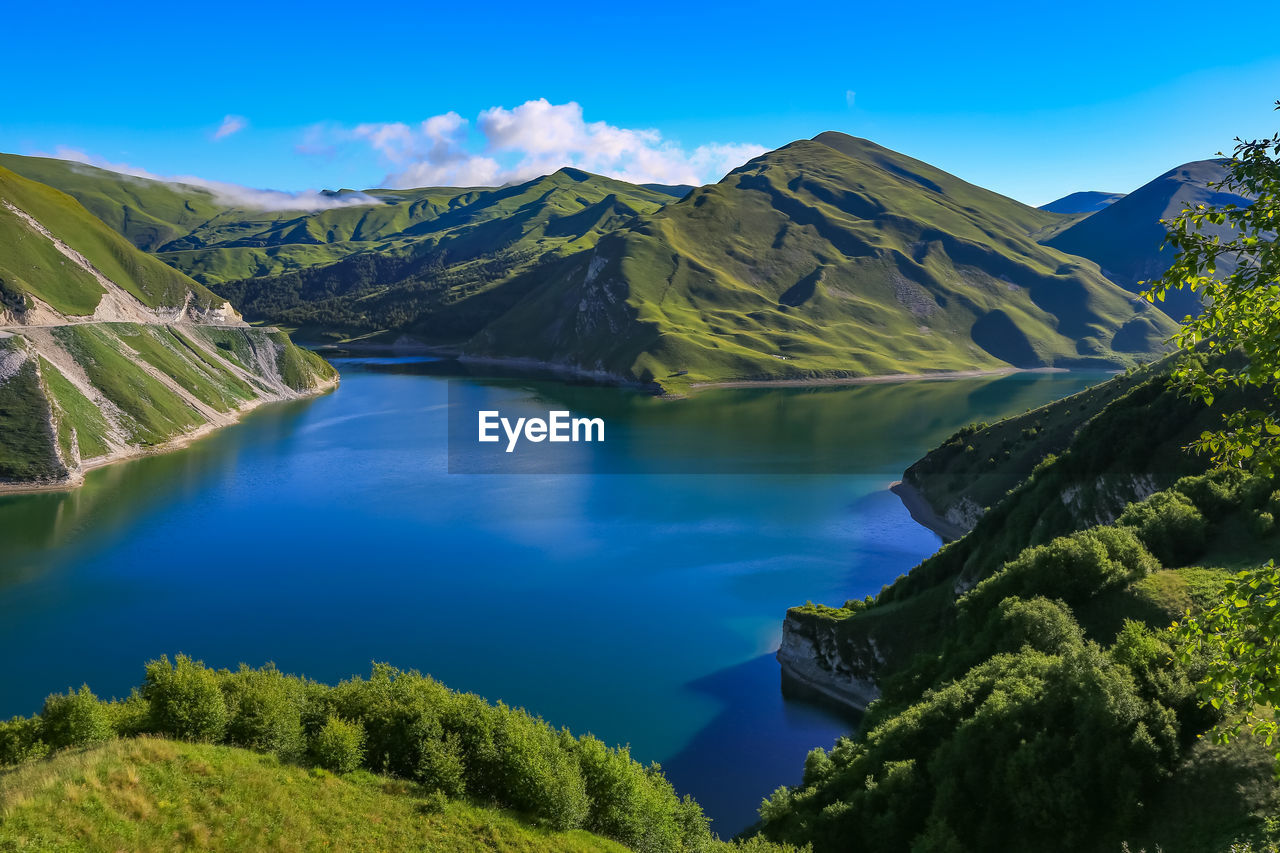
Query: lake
<point>644,607</point>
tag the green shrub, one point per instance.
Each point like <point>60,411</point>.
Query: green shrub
<point>264,711</point>
<point>1071,568</point>
<point>186,699</point>
<point>75,719</point>
<point>1264,523</point>
<point>441,766</point>
<point>533,773</point>
<point>1169,524</point>
<point>400,711</point>
<point>1215,494</point>
<point>20,740</point>
<point>339,745</point>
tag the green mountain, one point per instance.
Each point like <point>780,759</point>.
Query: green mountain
<point>1082,202</point>
<point>441,267</point>
<point>827,257</point>
<point>1126,237</point>
<point>1027,695</point>
<point>830,257</point>
<point>106,352</point>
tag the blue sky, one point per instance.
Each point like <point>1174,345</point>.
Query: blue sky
<point>1030,100</point>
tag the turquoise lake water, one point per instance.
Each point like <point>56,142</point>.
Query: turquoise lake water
<point>326,534</point>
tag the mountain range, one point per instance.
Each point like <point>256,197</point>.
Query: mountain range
<point>827,258</point>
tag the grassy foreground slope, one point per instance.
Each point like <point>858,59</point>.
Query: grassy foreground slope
<point>827,257</point>
<point>424,764</point>
<point>150,794</point>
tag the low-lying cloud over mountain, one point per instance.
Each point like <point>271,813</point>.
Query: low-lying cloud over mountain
<point>533,139</point>
<point>232,195</point>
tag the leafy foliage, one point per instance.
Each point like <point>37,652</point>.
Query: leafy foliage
<point>1242,308</point>
<point>1240,638</point>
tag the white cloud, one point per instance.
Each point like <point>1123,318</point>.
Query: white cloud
<point>849,96</point>
<point>537,138</point>
<point>233,195</point>
<point>230,125</point>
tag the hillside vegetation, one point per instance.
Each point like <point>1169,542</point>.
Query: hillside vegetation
<point>443,760</point>
<point>1026,692</point>
<point>105,352</point>
<point>152,794</point>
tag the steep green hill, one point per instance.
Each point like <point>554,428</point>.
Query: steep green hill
<point>1026,694</point>
<point>147,213</point>
<point>1126,237</point>
<point>440,267</point>
<point>827,257</point>
<point>105,352</point>
<point>42,231</point>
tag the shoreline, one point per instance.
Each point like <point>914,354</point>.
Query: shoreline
<point>75,479</point>
<point>923,513</point>
<point>657,386</point>
<point>874,379</point>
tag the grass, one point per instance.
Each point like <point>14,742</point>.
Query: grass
<point>151,795</point>
<point>76,414</point>
<point>155,413</point>
<point>27,451</point>
<point>153,282</point>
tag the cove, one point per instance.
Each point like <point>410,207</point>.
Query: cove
<point>643,607</point>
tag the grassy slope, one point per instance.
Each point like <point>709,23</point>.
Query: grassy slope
<point>153,283</point>
<point>437,265</point>
<point>27,451</point>
<point>830,256</point>
<point>147,213</point>
<point>147,411</point>
<point>1146,429</point>
<point>149,794</point>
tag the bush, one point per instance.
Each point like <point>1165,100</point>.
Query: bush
<point>339,745</point>
<point>1169,524</point>
<point>1071,568</point>
<point>264,710</point>
<point>441,766</point>
<point>75,719</point>
<point>186,699</point>
<point>1264,523</point>
<point>20,740</point>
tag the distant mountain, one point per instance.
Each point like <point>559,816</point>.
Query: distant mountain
<point>673,190</point>
<point>1125,238</point>
<point>827,257</point>
<point>1082,202</point>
